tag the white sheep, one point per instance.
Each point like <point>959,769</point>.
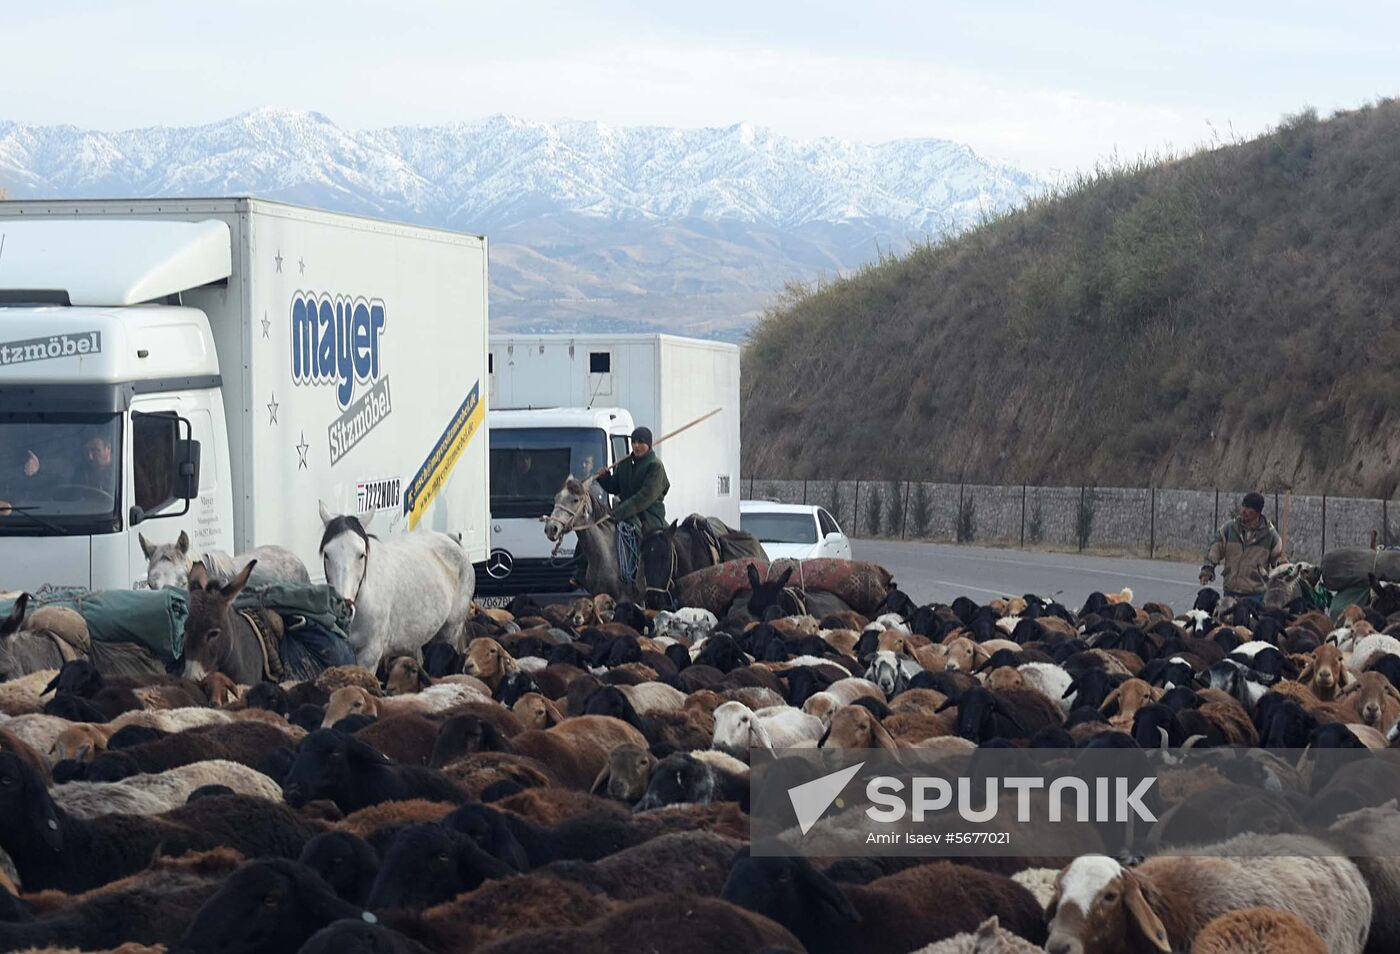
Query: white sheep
<point>738,728</point>
<point>1101,907</point>
<point>989,938</point>
<point>1370,648</point>
<point>156,792</point>
<point>1050,679</point>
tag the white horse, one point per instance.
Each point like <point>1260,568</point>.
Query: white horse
<point>169,564</point>
<point>404,590</point>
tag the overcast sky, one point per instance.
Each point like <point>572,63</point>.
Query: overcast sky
<point>1048,86</point>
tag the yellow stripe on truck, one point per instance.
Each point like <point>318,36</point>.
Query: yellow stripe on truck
<point>443,457</point>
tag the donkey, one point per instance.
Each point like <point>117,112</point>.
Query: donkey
<point>169,564</point>
<point>578,510</point>
<point>774,598</point>
<point>216,638</point>
<point>31,645</point>
<point>403,591</point>
<point>668,555</point>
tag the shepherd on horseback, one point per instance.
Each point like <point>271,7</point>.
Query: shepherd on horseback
<point>641,483</point>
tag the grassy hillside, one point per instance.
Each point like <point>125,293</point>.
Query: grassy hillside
<point>1230,318</point>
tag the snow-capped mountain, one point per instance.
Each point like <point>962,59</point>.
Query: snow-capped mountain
<point>592,225</point>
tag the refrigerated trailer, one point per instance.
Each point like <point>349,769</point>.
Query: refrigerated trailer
<point>564,404</point>
<point>220,366</point>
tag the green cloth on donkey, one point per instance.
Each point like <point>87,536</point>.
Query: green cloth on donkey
<point>156,619</point>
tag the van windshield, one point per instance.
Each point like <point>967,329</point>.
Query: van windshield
<point>57,467</point>
<point>530,464</point>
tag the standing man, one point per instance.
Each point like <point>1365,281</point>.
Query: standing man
<point>641,483</point>
<point>1249,547</point>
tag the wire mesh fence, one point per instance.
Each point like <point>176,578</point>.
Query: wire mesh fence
<point>1153,521</point>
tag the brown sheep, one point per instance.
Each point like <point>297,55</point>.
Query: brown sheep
<point>626,775</point>
<point>367,821</point>
<point>1128,698</point>
<point>337,677</point>
<point>550,806</point>
<point>604,607</point>
<point>537,712</point>
<point>1258,931</point>
<point>677,924</point>
<point>1005,677</point>
<point>855,727</point>
<point>489,662</point>
<point>406,675</point>
<point>475,772</point>
<point>220,689</point>
<point>1373,700</point>
<point>352,700</point>
<point>577,748</point>
<point>1326,673</point>
<point>407,737</point>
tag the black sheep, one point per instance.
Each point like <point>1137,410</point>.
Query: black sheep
<point>344,861</point>
<point>427,864</point>
<point>307,716</point>
<point>53,850</point>
<point>265,907</point>
<point>513,686</point>
<point>890,915</point>
<point>681,779</point>
<point>269,696</point>
<point>334,766</point>
<point>462,735</point>
<point>358,937</point>
<point>440,659</point>
<point>65,705</point>
<point>506,836</point>
<point>1005,714</point>
<point>130,736</point>
<point>247,743</point>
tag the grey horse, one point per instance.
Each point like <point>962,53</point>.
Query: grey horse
<point>169,564</point>
<point>580,510</point>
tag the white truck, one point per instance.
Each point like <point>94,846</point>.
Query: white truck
<point>218,366</point>
<point>567,404</point>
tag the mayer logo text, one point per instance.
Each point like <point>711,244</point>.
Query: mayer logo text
<point>336,340</point>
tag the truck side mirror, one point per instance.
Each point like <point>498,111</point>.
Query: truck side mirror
<point>167,464</point>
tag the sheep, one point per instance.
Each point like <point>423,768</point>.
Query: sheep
<point>989,938</point>
<point>892,672</point>
<point>344,861</point>
<point>357,936</point>
<point>1373,700</point>
<point>407,738</point>
<point>1369,648</point>
<point>24,694</point>
<point>739,728</point>
<point>895,914</point>
<point>430,863</point>
<point>247,743</point>
<point>1050,679</point>
<point>537,712</point>
<point>682,924</point>
<point>679,863</point>
<point>626,775</point>
<point>346,771</point>
<point>1011,713</point>
<point>160,792</point>
<point>488,661</point>
<point>854,727</point>
<point>352,700</point>
<point>405,677</point>
<point>696,778</point>
<point>1326,673</point>
<point>1124,702</point>
<point>1102,908</point>
<point>269,905</point>
<point>577,749</point>
<point>524,845</point>
<point>152,906</point>
<point>52,849</point>
<point>1261,930</point>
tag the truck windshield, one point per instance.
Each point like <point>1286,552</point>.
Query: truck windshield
<point>780,527</point>
<point>530,464</point>
<point>59,473</point>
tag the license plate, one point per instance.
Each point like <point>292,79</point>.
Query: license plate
<point>494,602</point>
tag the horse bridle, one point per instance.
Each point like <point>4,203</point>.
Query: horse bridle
<point>670,576</point>
<point>571,525</point>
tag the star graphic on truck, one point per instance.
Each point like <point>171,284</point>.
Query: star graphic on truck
<point>272,410</point>
<point>278,259</point>
<point>266,323</point>
<point>302,448</point>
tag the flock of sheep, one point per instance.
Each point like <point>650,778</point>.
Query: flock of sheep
<point>577,780</point>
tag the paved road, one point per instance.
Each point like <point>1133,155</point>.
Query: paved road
<point>933,572</point>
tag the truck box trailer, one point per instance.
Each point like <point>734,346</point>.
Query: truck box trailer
<point>566,404</point>
<point>220,366</point>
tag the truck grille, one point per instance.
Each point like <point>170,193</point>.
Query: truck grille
<point>526,576</point>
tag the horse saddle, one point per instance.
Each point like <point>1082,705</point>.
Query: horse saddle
<point>268,627</point>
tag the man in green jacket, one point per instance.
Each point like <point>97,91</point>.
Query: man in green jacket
<point>1249,547</point>
<point>641,483</point>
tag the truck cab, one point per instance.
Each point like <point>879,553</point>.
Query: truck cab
<point>109,400</point>
<point>532,452</point>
